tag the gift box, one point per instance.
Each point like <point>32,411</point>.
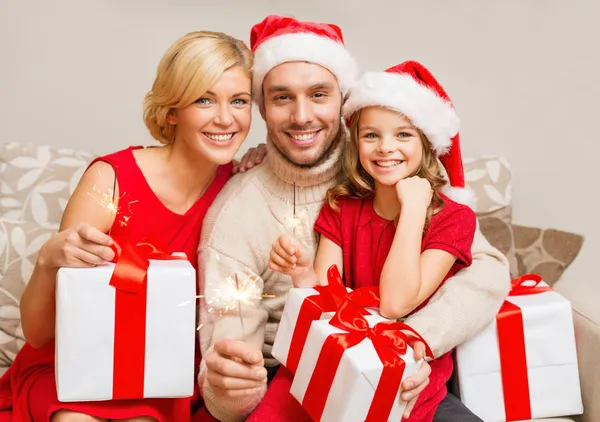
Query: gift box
<point>524,364</point>
<point>305,305</point>
<point>126,336</point>
<point>351,369</point>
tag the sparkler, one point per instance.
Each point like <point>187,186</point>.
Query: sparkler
<point>111,204</point>
<point>229,289</point>
<point>294,218</point>
<point>231,294</point>
<point>295,224</point>
<point>237,287</point>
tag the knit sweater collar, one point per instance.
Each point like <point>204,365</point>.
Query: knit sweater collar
<point>290,173</point>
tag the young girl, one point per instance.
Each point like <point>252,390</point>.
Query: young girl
<point>392,222</point>
<point>199,108</point>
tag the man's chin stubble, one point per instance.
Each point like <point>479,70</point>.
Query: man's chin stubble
<point>323,156</point>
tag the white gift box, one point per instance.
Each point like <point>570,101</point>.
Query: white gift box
<point>289,320</point>
<point>85,332</point>
<point>285,331</point>
<point>551,359</point>
<point>357,377</point>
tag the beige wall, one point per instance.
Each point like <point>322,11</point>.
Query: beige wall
<point>521,73</point>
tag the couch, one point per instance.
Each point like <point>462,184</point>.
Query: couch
<point>36,182</point>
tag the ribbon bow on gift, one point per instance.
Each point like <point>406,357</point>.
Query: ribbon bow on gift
<point>335,292</point>
<point>132,262</point>
<point>519,288</point>
<point>130,281</point>
<point>329,299</point>
<point>511,342</point>
<point>390,340</point>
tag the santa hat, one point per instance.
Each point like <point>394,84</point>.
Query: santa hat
<point>280,39</point>
<point>413,91</point>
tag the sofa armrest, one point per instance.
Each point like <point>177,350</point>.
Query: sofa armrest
<point>584,295</point>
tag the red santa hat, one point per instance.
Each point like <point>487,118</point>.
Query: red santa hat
<point>411,89</point>
<point>281,39</point>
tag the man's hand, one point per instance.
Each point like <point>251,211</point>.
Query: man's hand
<point>234,369</point>
<point>416,383</point>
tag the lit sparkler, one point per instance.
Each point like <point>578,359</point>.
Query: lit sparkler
<point>109,202</point>
<point>228,291</point>
<point>295,225</point>
<point>234,292</point>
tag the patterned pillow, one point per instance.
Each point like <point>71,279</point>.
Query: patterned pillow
<point>547,252</point>
<point>490,178</point>
<point>37,181</point>
<point>19,246</point>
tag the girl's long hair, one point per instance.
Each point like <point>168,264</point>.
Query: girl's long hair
<point>359,184</point>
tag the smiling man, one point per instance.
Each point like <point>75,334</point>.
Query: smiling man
<point>302,71</point>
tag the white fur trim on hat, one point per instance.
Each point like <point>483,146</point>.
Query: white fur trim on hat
<point>465,196</point>
<point>429,112</point>
<point>306,47</point>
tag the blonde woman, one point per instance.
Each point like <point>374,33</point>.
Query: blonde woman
<point>199,108</point>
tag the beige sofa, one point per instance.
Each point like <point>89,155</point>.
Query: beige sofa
<point>36,181</point>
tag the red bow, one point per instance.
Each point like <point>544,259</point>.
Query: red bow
<point>519,288</point>
<point>132,262</point>
<point>390,340</point>
<point>329,299</point>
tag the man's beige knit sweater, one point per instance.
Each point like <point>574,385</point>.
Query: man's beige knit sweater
<point>248,216</point>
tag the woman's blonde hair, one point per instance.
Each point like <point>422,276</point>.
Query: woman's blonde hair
<point>360,184</point>
<point>188,69</point>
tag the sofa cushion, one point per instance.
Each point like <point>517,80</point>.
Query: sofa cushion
<point>547,252</point>
<point>19,246</point>
<point>37,181</point>
<point>490,178</point>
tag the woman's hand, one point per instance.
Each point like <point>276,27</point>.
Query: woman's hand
<point>80,247</point>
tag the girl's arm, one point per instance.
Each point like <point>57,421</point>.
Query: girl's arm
<point>80,242</point>
<point>408,276</point>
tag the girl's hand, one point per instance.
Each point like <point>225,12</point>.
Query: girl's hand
<point>80,246</point>
<point>414,191</point>
<point>288,256</point>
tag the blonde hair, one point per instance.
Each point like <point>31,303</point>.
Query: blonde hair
<point>360,184</point>
<point>188,69</point>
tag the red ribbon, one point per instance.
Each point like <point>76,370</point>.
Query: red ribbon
<point>329,299</point>
<point>513,356</point>
<point>519,288</point>
<point>390,340</point>
<point>129,279</point>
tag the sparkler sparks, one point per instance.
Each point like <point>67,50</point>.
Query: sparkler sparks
<point>296,225</point>
<point>229,289</point>
<point>111,204</point>
<point>234,291</point>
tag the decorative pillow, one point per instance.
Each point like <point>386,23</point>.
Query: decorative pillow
<point>19,246</point>
<point>496,227</point>
<point>547,252</point>
<point>37,181</point>
<point>490,178</point>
